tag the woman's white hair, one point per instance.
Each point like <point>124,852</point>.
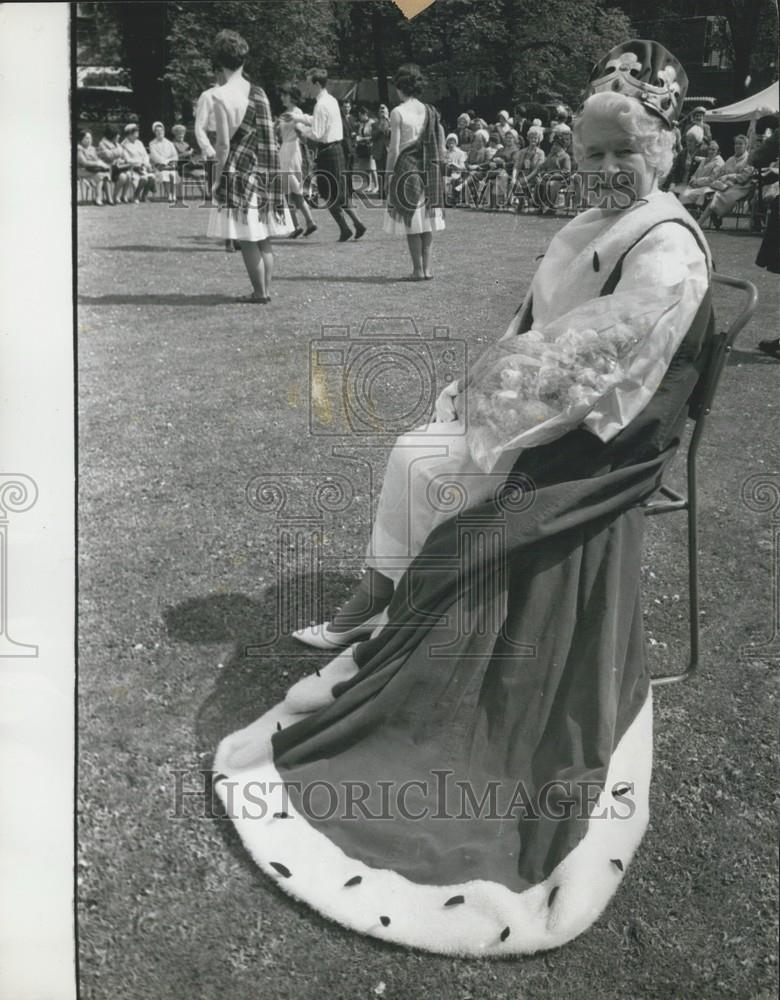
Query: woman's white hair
<point>655,140</point>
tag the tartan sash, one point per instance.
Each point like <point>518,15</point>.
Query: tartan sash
<point>252,170</point>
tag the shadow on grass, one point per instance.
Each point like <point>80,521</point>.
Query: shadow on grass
<point>756,357</point>
<point>264,660</point>
<point>340,279</point>
<point>143,248</point>
<point>171,299</point>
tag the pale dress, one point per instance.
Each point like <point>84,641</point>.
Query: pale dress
<point>696,194</point>
<point>424,220</point>
<point>290,157</point>
<point>162,152</point>
<point>233,224</point>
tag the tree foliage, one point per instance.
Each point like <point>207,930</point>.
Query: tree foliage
<point>523,49</point>
<point>517,50</point>
<point>285,39</point>
<point>751,42</point>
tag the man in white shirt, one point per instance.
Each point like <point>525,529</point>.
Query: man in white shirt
<point>326,128</point>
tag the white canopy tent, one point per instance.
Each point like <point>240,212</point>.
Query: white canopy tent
<point>749,109</point>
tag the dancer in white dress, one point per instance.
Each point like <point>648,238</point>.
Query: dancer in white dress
<point>247,179</point>
<point>292,161</point>
<point>415,166</point>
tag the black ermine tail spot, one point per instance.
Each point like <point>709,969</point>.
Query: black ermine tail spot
<point>553,894</point>
<point>596,262</point>
<point>622,790</point>
<point>385,921</point>
<point>318,673</point>
<point>505,934</point>
<point>618,864</point>
<point>278,727</point>
<point>283,870</point>
<point>219,777</point>
<point>355,880</point>
<point>281,815</point>
<point>455,900</point>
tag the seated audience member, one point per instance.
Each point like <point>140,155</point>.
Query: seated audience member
<point>463,131</point>
<point>495,145</point>
<point>697,120</point>
<point>560,124</point>
<point>189,164</point>
<point>111,152</point>
<point>554,173</point>
<point>140,167</point>
<point>454,165</point>
<point>163,157</point>
<point>732,183</point>
<point>686,162</point>
<point>477,158</point>
<point>495,187</point>
<point>511,149</point>
<point>93,170</point>
<point>698,189</point>
<point>527,166</point>
<point>503,125</point>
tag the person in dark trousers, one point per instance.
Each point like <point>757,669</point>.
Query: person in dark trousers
<point>769,251</point>
<point>326,127</point>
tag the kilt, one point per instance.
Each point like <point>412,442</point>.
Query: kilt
<point>330,172</point>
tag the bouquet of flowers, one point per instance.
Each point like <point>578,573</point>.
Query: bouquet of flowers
<point>533,387</point>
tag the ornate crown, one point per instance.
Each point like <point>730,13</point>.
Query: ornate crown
<point>646,71</point>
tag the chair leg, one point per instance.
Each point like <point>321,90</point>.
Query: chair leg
<point>693,579</point>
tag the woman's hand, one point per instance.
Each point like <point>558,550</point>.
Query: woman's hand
<point>447,404</point>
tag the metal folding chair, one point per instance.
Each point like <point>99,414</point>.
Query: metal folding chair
<point>719,347</point>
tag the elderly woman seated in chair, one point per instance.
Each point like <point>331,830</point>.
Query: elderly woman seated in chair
<point>732,184</point>
<point>527,165</point>
<point>698,189</point>
<point>189,164</point>
<point>164,159</point>
<point>94,171</point>
<point>686,162</point>
<point>139,165</point>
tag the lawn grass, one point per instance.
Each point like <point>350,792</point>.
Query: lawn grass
<point>185,397</point>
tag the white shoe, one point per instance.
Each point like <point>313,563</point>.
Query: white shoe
<point>321,637</point>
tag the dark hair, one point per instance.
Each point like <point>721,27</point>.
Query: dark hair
<point>109,132</point>
<point>362,110</point>
<point>292,90</point>
<point>471,113</point>
<point>495,137</point>
<point>82,132</point>
<point>318,76</point>
<point>229,50</point>
<point>409,80</point>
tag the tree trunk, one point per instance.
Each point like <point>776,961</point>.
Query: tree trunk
<point>144,31</point>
